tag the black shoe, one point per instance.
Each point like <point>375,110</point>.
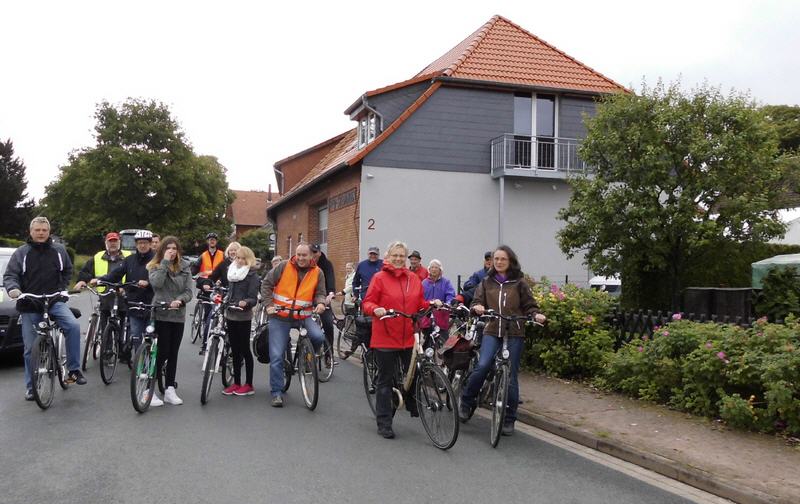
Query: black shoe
<point>202,351</point>
<point>464,411</point>
<point>277,402</point>
<point>508,429</point>
<point>29,395</point>
<point>386,432</point>
<point>76,377</point>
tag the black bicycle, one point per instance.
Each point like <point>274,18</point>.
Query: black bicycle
<point>219,357</point>
<point>48,354</point>
<point>429,387</point>
<point>144,373</point>
<point>303,362</point>
<point>115,336</point>
<point>93,332</point>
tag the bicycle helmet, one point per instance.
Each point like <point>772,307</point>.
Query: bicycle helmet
<point>212,235</point>
<point>143,234</point>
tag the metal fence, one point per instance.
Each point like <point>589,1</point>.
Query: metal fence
<point>537,153</point>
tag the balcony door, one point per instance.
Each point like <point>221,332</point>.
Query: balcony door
<point>534,113</point>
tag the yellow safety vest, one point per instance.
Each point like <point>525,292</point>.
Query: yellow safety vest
<point>101,266</point>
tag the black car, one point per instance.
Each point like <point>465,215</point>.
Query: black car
<point>10,331</point>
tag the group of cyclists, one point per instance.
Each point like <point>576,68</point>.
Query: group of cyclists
<point>290,293</point>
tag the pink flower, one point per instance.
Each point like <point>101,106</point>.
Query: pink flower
<point>554,288</point>
<point>709,345</point>
<point>721,356</point>
<point>665,333</point>
<point>676,316</point>
<point>760,334</point>
<point>656,328</point>
<point>645,337</point>
<point>641,349</point>
<point>589,319</point>
<point>561,296</point>
<point>762,320</point>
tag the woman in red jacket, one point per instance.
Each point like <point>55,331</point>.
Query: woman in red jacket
<point>394,287</point>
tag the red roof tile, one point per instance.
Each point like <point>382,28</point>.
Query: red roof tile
<point>250,207</point>
<point>501,51</point>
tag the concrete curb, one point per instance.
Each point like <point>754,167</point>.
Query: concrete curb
<point>656,463</point>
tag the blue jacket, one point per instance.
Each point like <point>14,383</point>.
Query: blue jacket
<point>364,273</point>
<point>441,289</point>
<point>468,291</point>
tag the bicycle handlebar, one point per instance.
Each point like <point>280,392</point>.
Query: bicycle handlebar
<point>117,285</point>
<point>491,314</point>
<point>44,296</point>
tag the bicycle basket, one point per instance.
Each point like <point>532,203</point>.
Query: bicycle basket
<point>457,352</point>
<point>364,329</point>
<point>261,344</point>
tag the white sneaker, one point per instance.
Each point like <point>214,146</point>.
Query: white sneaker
<point>155,402</point>
<point>170,397</point>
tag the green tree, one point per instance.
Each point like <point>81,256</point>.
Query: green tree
<point>786,119</point>
<point>258,240</point>
<point>676,174</point>
<point>16,208</point>
<point>142,172</point>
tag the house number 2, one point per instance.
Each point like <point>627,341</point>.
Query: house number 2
<point>371,224</point>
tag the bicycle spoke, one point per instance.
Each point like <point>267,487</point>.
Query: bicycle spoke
<point>435,398</point>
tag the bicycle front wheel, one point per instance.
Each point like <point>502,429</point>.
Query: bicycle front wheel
<point>108,353</point>
<point>436,403</point>
<point>499,401</point>
<point>142,378</point>
<point>345,340</point>
<point>226,364</point>
<point>307,371</point>
<point>43,372</point>
<point>325,362</point>
<point>60,350</point>
<point>208,373</point>
<point>370,375</point>
<point>90,335</point>
<point>197,321</point>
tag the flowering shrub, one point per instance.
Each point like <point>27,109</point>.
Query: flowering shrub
<point>575,340</point>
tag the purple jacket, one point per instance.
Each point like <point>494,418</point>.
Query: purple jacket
<point>441,289</point>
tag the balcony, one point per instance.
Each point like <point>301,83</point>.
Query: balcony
<point>537,157</point>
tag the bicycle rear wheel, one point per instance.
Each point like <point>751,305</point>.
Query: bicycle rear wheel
<point>499,401</point>
<point>345,340</point>
<point>208,373</point>
<point>325,362</point>
<point>60,350</point>
<point>161,374</point>
<point>307,371</point>
<point>370,375</point>
<point>90,335</point>
<point>108,353</point>
<point>43,372</point>
<point>197,321</point>
<point>226,363</point>
<point>288,367</point>
<point>142,379</point>
<point>436,403</point>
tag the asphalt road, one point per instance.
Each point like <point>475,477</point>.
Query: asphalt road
<point>92,447</point>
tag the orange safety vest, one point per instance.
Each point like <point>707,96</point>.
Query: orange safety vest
<point>207,263</point>
<point>296,295</point>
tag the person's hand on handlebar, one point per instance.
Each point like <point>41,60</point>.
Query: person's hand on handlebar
<point>540,318</point>
<point>437,303</point>
<point>175,304</point>
<point>379,312</point>
<point>478,309</point>
<point>242,304</point>
<point>319,308</point>
<point>143,284</point>
<point>206,287</point>
<point>14,293</point>
<point>78,286</point>
<point>271,310</point>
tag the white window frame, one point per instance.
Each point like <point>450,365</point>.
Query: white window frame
<point>323,233</point>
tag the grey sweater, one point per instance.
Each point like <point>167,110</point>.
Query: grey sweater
<point>245,290</point>
<point>169,286</point>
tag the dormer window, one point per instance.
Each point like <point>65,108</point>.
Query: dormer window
<point>367,129</point>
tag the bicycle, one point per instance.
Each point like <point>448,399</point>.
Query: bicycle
<point>115,336</point>
<point>198,316</point>
<point>347,329</point>
<point>144,373</point>
<point>218,350</point>
<point>325,362</point>
<point>436,402</point>
<point>499,376</point>
<point>92,334</point>
<point>48,354</point>
<point>302,362</point>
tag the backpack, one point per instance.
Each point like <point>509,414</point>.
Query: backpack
<point>261,344</point>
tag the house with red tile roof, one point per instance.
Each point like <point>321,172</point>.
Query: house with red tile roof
<point>249,210</point>
<point>475,150</point>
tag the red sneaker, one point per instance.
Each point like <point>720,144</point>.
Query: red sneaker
<point>245,390</point>
<point>231,390</point>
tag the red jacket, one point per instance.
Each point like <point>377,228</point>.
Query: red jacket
<point>421,272</point>
<point>398,289</point>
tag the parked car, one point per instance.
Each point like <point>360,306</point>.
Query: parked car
<point>10,333</point>
<point>612,285</point>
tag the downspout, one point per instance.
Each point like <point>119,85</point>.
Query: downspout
<point>378,114</point>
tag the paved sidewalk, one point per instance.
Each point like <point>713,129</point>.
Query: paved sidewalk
<point>740,466</point>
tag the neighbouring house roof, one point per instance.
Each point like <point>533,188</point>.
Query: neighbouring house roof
<point>498,52</point>
<point>324,143</point>
<point>250,208</point>
<point>502,51</point>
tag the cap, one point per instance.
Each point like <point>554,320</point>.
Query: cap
<point>373,250</point>
<point>212,235</point>
<point>112,236</point>
<point>488,254</point>
<point>415,253</point>
<point>314,247</point>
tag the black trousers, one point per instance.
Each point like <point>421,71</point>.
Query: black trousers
<point>170,335</point>
<point>388,361</point>
<point>327,325</point>
<point>239,337</point>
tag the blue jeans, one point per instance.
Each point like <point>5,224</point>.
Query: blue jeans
<point>137,328</point>
<point>489,348</point>
<point>279,339</point>
<point>68,324</point>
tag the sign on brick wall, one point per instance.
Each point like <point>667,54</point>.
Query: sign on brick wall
<point>343,200</point>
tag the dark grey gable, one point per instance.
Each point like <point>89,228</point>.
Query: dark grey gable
<point>390,105</point>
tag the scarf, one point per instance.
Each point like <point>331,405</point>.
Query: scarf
<point>236,273</point>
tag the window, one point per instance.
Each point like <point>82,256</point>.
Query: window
<point>367,129</point>
<point>289,252</point>
<point>523,124</point>
<point>322,213</point>
<point>545,131</point>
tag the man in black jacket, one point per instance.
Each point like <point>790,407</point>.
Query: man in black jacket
<point>43,267</point>
<point>134,269</point>
<point>330,288</point>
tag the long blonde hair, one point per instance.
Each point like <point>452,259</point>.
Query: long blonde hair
<point>159,256</point>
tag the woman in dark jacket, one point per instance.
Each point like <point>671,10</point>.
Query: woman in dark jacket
<point>220,273</point>
<point>394,287</point>
<point>243,285</point>
<point>505,291</point>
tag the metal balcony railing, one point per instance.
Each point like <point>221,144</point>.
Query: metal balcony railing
<point>548,154</point>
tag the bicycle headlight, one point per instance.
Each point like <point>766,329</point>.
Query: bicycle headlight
<point>42,325</point>
<point>506,353</point>
<point>150,329</point>
<point>429,353</point>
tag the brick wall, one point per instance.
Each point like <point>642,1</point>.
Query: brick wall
<point>300,216</point>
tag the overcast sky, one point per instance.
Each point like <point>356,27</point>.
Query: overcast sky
<point>254,82</point>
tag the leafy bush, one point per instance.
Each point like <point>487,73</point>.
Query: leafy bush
<point>780,295</point>
<point>10,242</point>
<point>258,241</point>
